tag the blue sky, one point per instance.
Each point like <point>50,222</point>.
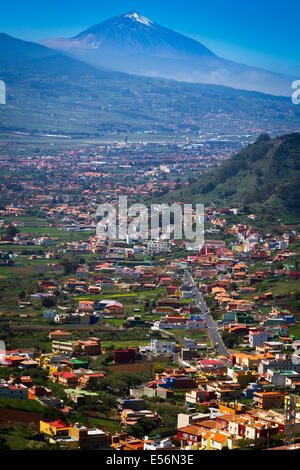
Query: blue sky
<point>264,33</point>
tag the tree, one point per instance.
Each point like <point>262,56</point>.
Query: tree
<point>142,428</point>
<point>47,302</point>
<point>230,339</point>
<point>158,368</point>
<point>202,409</point>
<point>108,400</point>
<point>52,413</point>
<point>11,231</point>
<point>136,430</point>
<point>70,264</point>
<point>244,443</point>
<point>22,295</point>
<point>112,384</point>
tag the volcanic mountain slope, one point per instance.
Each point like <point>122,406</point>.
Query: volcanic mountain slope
<point>16,54</point>
<point>134,44</point>
<point>49,92</point>
<point>264,176</point>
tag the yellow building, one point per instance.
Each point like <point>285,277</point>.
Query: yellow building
<point>55,368</point>
<point>74,437</point>
<point>249,360</point>
<point>54,428</point>
<point>214,441</point>
<point>65,347</point>
<point>287,400</point>
<point>44,359</point>
<point>44,362</point>
<point>217,440</point>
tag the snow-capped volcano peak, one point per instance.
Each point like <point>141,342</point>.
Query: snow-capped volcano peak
<point>134,44</point>
<point>136,17</point>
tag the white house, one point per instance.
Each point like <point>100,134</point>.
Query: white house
<point>159,347</point>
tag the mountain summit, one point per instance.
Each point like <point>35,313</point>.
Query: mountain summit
<point>139,18</point>
<point>132,43</point>
<point>135,44</point>
<point>133,33</point>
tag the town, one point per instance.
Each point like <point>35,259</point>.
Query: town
<point>140,344</point>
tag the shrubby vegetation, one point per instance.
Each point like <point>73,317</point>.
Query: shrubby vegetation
<point>263,177</point>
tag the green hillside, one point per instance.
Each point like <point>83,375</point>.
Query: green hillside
<point>264,176</point>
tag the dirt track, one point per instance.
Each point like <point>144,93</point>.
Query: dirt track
<point>137,367</point>
<point>9,416</point>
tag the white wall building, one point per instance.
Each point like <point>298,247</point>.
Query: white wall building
<point>158,246</point>
<point>159,347</point>
<point>258,338</point>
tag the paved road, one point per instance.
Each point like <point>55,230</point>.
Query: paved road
<point>213,333</point>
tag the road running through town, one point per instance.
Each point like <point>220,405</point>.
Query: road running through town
<point>211,326</point>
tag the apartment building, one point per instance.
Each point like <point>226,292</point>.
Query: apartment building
<point>280,362</point>
<point>266,400</point>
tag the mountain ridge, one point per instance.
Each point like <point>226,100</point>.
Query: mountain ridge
<point>264,175</point>
<point>134,44</point>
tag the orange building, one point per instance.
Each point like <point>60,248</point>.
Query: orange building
<point>231,408</point>
<point>38,391</point>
